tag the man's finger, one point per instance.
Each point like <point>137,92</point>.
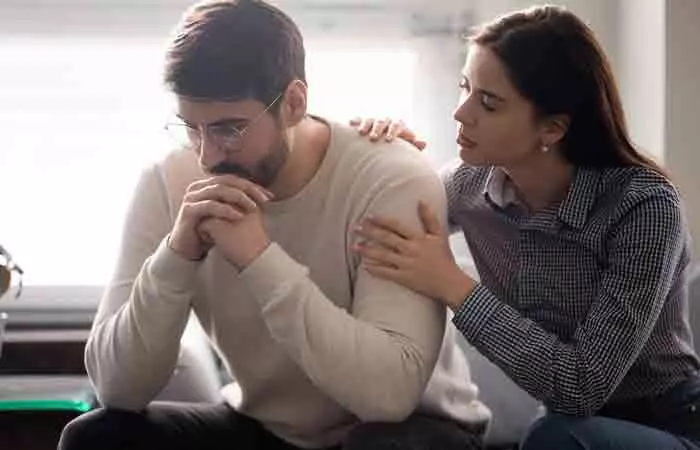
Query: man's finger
<point>256,192</point>
<point>204,234</point>
<point>248,186</point>
<point>212,209</point>
<point>224,194</point>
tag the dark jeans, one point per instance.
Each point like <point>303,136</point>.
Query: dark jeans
<point>208,427</point>
<point>669,422</point>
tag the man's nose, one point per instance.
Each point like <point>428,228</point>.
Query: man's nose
<point>210,153</point>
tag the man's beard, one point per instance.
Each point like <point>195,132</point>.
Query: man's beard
<point>265,172</point>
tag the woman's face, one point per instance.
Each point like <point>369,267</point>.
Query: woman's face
<point>497,126</point>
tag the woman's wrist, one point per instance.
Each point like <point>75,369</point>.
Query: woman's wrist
<point>457,288</point>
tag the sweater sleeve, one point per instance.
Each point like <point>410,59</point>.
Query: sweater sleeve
<point>376,358</point>
<point>135,340</point>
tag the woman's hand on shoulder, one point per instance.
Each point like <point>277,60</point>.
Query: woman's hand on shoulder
<point>388,129</point>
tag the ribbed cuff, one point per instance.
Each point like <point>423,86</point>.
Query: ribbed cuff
<point>171,269</point>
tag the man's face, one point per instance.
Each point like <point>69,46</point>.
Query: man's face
<point>239,138</point>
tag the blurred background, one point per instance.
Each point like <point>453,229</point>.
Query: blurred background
<point>82,107</point>
<point>82,111</point>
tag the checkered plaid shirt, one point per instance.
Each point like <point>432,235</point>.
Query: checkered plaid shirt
<point>585,302</point>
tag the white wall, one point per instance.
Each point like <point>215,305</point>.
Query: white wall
<point>642,74</point>
<point>660,69</point>
<point>436,95</point>
<point>683,104</point>
<point>600,15</point>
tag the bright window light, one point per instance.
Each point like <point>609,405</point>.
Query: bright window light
<point>81,118</point>
<point>369,83</point>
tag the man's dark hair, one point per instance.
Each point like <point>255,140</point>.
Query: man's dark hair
<point>230,50</point>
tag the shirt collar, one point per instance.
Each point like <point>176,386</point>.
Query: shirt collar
<point>575,208</point>
<point>498,189</point>
<point>579,201</point>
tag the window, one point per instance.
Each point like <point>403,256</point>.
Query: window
<point>81,117</point>
<point>341,86</point>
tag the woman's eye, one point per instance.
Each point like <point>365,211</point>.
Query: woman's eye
<point>488,102</point>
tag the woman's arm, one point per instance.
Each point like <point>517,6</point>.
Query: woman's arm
<point>579,376</point>
<point>645,249</point>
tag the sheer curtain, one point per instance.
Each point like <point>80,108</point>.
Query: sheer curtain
<point>80,117</point>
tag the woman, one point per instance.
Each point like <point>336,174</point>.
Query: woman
<point>579,240</point>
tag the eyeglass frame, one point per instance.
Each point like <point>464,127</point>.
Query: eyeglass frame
<point>10,266</point>
<point>234,133</point>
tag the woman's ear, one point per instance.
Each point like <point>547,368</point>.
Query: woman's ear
<point>294,104</point>
<point>554,128</point>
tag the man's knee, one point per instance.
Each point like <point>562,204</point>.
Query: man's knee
<point>97,429</point>
<point>554,431</point>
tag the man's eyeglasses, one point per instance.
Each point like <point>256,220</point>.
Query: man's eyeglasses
<point>228,138</point>
<point>6,270</point>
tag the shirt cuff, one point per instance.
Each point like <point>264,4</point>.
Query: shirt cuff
<point>480,306</point>
<point>272,274</point>
<point>172,270</point>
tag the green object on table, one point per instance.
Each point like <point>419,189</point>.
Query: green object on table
<point>45,393</point>
<point>45,405</point>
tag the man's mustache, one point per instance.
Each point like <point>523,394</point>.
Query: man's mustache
<point>226,168</point>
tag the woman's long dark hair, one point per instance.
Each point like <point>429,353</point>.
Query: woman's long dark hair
<point>554,60</point>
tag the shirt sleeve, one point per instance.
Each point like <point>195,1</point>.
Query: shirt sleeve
<point>452,191</point>
<point>578,377</point>
<point>135,340</point>
<point>375,359</point>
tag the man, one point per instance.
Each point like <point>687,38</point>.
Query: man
<point>253,229</point>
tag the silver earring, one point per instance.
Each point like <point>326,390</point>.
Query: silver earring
<point>545,148</point>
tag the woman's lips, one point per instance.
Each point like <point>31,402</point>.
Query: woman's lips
<point>464,141</point>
